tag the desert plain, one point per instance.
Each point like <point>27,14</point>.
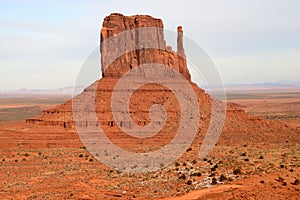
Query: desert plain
<point>50,162</point>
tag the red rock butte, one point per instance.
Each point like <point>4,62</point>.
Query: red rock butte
<point>45,158</point>
<point>140,31</point>
<point>113,25</point>
<point>142,99</point>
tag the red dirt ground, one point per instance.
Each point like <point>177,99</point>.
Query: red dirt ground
<point>50,162</point>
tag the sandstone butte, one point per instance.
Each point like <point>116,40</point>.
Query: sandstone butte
<point>239,126</point>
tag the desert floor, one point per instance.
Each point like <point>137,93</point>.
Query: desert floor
<point>51,163</point>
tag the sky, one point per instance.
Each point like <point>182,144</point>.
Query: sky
<point>45,43</point>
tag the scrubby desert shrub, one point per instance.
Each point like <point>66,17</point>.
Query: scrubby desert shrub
<point>237,171</point>
<point>214,181</point>
<point>189,182</point>
<point>182,176</point>
<point>223,178</point>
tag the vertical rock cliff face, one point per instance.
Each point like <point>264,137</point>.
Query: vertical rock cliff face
<point>141,38</point>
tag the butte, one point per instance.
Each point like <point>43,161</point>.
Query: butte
<point>240,128</point>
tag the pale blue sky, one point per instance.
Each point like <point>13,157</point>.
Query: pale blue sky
<point>44,43</point>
